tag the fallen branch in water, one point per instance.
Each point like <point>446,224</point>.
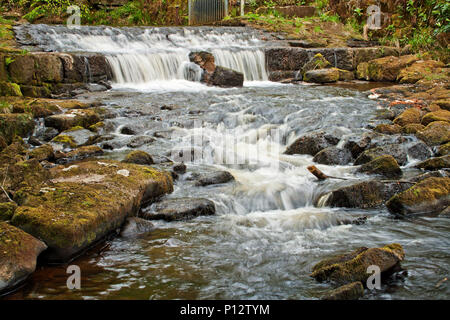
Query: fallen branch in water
<point>322,176</point>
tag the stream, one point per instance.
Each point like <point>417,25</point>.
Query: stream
<point>268,231</point>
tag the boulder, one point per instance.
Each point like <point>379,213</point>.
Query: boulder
<point>419,70</point>
<point>394,150</point>
<point>436,133</point>
<point>412,128</point>
<point>333,156</point>
<point>75,137</point>
<point>12,125</point>
<point>385,165</point>
<point>435,163</point>
<point>73,118</point>
<point>139,157</point>
<point>312,143</point>
<point>345,75</point>
<point>357,144</point>
<point>86,201</point>
<point>7,210</point>
<point>429,196</point>
<point>322,75</point>
<point>136,226</point>
<point>388,68</point>
<point>441,115</point>
<point>444,150</point>
<point>181,209</point>
<point>409,116</point>
<point>44,152</point>
<point>36,68</point>
<point>419,151</point>
<point>19,253</point>
<point>388,128</point>
<point>352,267</point>
<point>351,291</point>
<point>369,194</point>
<point>79,154</point>
<point>214,178</point>
<point>227,78</point>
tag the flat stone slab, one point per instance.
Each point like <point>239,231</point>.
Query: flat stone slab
<point>181,209</point>
<point>83,202</point>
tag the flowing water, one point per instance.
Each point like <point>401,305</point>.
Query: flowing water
<point>267,233</point>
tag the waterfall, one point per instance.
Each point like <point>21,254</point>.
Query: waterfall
<point>144,55</point>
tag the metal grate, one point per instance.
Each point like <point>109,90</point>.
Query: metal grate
<point>204,11</point>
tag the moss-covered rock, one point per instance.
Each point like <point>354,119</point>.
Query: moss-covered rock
<point>429,196</point>
<point>444,150</point>
<point>3,144</point>
<point>353,267</point>
<point>345,75</point>
<point>79,154</point>
<point>84,202</point>
<point>39,108</point>
<point>351,291</point>
<point>442,115</point>
<point>362,71</point>
<point>436,133</point>
<point>317,62</point>
<point>12,125</point>
<point>388,68</point>
<point>75,137</point>
<point>322,75</point>
<point>409,116</point>
<point>384,165</point>
<point>419,70</point>
<point>10,89</point>
<point>139,157</point>
<point>312,143</point>
<point>435,163</point>
<point>369,194</point>
<point>7,210</point>
<point>388,128</point>
<point>395,150</point>
<point>412,128</point>
<point>73,118</point>
<point>333,156</point>
<point>41,153</point>
<point>18,255</point>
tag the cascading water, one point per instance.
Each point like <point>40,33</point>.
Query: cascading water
<point>140,55</point>
<point>271,224</point>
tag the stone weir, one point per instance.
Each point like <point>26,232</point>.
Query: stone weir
<point>285,63</point>
<point>48,74</point>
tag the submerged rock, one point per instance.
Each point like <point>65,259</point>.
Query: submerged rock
<point>215,178</point>
<point>384,165</point>
<point>83,203</point>
<point>351,291</point>
<point>312,143</point>
<point>136,226</point>
<point>352,267</point>
<point>429,196</point>
<point>139,157</point>
<point>181,209</point>
<point>139,141</point>
<point>19,252</point>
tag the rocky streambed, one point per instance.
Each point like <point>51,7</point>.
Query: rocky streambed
<point>171,188</point>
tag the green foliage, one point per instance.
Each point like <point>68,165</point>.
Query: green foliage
<point>42,8</point>
<point>8,61</point>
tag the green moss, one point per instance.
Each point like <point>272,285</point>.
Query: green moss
<point>64,139</point>
<point>12,125</point>
<point>10,89</point>
<point>7,210</point>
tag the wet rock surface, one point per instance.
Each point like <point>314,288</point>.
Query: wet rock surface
<point>312,143</point>
<point>180,209</point>
<point>214,178</point>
